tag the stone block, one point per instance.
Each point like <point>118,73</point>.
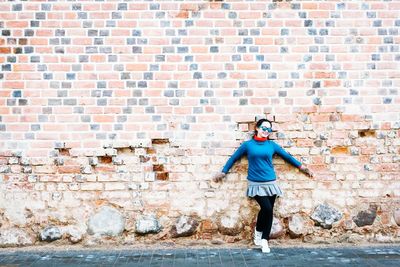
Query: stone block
<point>120,144</point>
<point>50,233</point>
<point>91,186</point>
<point>325,215</point>
<point>27,169</point>
<point>117,160</point>
<point>44,169</point>
<point>13,160</point>
<point>59,161</point>
<point>107,221</point>
<point>86,169</point>
<point>149,176</point>
<point>114,186</point>
<point>5,169</point>
<point>80,178</point>
<point>365,217</point>
<point>297,226</point>
<point>230,224</point>
<point>140,143</point>
<point>184,226</point>
<point>15,237</point>
<point>73,233</point>
<point>24,161</point>
<point>383,238</point>
<point>93,161</point>
<point>147,225</point>
<point>110,152</point>
<point>277,229</point>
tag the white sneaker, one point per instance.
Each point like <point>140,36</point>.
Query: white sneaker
<point>257,237</point>
<point>264,246</point>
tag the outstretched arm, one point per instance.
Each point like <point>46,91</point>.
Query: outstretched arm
<point>292,160</point>
<point>237,155</point>
<point>286,156</point>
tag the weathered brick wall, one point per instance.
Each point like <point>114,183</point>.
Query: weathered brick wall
<point>115,115</point>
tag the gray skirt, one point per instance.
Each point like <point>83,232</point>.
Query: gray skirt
<point>263,189</point>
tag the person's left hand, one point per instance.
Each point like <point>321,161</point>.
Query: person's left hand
<point>306,171</point>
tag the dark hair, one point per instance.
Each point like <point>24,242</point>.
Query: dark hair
<point>258,124</point>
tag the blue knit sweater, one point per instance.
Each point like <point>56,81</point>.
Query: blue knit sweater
<point>259,155</point>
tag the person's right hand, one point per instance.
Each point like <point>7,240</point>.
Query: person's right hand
<point>306,171</point>
<point>218,177</point>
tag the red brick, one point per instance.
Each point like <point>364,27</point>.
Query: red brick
<point>69,169</point>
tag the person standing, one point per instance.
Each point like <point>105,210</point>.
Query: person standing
<point>261,176</point>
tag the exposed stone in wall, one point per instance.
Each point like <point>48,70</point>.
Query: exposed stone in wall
<point>107,221</point>
<point>156,158</point>
<point>73,233</point>
<point>230,224</point>
<point>184,226</point>
<point>147,225</point>
<point>50,233</point>
<point>325,216</point>
<point>14,237</point>
<point>365,217</point>
<point>298,226</point>
<point>277,230</point>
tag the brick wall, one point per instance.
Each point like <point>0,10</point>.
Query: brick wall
<point>134,105</point>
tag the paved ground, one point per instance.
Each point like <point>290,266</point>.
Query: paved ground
<point>333,256</point>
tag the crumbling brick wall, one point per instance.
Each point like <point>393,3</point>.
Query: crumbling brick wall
<point>115,115</point>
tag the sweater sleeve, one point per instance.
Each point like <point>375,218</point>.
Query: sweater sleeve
<point>237,155</point>
<point>286,156</point>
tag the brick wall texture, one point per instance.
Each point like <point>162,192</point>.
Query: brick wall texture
<point>131,107</point>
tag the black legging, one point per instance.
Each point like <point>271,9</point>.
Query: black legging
<point>265,216</point>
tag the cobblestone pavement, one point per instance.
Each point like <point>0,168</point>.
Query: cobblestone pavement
<point>331,256</point>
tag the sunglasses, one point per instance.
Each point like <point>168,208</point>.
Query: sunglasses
<point>266,129</point>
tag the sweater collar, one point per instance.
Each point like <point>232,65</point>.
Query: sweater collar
<point>260,139</point>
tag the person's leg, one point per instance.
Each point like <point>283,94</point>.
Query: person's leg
<point>265,215</point>
<point>270,217</point>
<point>261,217</point>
